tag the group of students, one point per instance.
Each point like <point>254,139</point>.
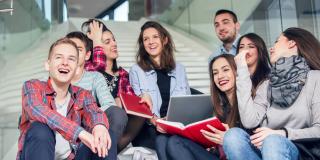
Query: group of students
<point>265,101</point>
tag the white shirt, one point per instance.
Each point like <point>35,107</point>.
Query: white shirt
<point>62,148</point>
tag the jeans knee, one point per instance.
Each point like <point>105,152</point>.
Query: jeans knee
<point>40,132</point>
<point>276,142</point>
<point>117,117</point>
<point>273,140</point>
<point>172,143</point>
<point>234,137</point>
<point>277,146</point>
<point>161,140</point>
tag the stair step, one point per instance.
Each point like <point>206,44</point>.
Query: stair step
<point>30,64</point>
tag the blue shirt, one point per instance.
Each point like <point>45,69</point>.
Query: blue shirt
<point>146,82</point>
<point>223,50</point>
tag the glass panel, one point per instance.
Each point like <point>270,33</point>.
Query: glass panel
<point>19,31</point>
<point>121,12</point>
<point>267,18</point>
<point>29,20</point>
<point>274,22</point>
<point>316,12</point>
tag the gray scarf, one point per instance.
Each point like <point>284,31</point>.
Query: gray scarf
<point>287,78</point>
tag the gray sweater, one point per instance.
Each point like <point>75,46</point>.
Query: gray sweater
<point>301,119</point>
<point>97,85</point>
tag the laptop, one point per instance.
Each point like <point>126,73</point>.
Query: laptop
<point>190,108</point>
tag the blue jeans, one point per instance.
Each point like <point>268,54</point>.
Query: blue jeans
<point>161,146</point>
<point>118,120</point>
<point>183,148</point>
<point>40,144</point>
<point>146,136</point>
<point>237,145</point>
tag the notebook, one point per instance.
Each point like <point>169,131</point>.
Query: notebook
<point>132,106</point>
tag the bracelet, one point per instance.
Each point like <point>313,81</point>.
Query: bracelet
<point>285,130</point>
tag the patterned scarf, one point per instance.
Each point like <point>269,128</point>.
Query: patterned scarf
<point>288,76</point>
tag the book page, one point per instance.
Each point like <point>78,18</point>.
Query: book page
<point>200,122</point>
<point>175,124</point>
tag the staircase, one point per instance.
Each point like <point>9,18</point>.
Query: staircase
<point>30,64</point>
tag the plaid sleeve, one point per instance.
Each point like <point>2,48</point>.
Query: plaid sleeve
<point>92,114</point>
<point>124,85</point>
<point>35,105</point>
<point>98,62</point>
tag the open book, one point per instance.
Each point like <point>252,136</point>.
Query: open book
<point>132,106</point>
<point>192,131</point>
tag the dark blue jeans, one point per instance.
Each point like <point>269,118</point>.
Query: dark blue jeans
<point>40,144</point>
<point>161,146</point>
<point>146,136</point>
<point>118,120</point>
<point>176,148</point>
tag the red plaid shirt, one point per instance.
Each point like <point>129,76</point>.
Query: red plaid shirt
<point>124,84</point>
<point>38,105</point>
<point>98,62</point>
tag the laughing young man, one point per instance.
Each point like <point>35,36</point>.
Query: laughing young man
<point>227,28</point>
<point>59,120</point>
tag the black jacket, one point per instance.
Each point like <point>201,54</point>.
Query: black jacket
<point>309,149</point>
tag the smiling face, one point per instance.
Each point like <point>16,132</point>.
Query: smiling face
<point>223,75</point>
<point>152,43</point>
<point>226,29</point>
<point>62,63</point>
<point>109,45</point>
<point>252,56</point>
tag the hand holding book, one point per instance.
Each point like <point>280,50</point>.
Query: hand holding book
<point>145,98</point>
<point>132,105</point>
<point>215,135</point>
<point>159,129</point>
<point>193,130</point>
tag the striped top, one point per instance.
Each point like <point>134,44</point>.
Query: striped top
<point>97,85</point>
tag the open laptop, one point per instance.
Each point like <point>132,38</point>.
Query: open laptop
<point>190,108</point>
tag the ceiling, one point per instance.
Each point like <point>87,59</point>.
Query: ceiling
<point>88,8</point>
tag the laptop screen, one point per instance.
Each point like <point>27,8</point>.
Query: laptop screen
<point>190,108</point>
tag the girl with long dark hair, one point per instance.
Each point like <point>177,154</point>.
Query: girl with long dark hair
<point>222,70</point>
<point>286,107</point>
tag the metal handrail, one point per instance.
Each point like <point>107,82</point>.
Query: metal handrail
<point>8,9</point>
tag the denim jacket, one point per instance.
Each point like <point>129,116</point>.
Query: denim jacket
<point>146,82</point>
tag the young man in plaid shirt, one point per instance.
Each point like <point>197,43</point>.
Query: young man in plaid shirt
<point>61,121</point>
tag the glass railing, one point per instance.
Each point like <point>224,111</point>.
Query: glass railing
<point>29,19</point>
<point>20,29</point>
<point>266,18</point>
<point>174,11</point>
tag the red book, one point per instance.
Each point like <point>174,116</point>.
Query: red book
<point>132,106</point>
<point>192,131</point>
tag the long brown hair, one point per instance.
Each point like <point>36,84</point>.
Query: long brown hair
<point>263,65</point>
<point>308,45</point>
<point>85,28</point>
<point>219,98</point>
<point>167,61</point>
